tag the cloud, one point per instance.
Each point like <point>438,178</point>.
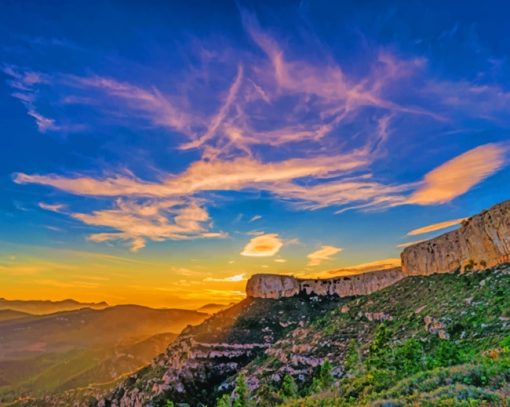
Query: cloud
<point>324,253</point>
<point>232,279</point>
<point>59,208</point>
<point>435,226</point>
<point>460,174</point>
<point>407,244</point>
<point>214,175</point>
<point>24,84</point>
<point>154,220</point>
<point>148,103</point>
<point>254,218</point>
<point>220,116</point>
<point>263,246</point>
<point>367,267</point>
<point>280,260</point>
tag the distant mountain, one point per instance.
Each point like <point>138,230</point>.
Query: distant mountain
<point>214,308</point>
<point>426,340</point>
<point>40,307</point>
<point>70,349</point>
<point>63,331</point>
<point>8,314</point>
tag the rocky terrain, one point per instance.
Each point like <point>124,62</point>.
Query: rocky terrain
<point>482,241</point>
<point>423,336</point>
<point>196,367</point>
<point>278,286</point>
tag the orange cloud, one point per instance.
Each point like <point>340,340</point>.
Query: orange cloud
<point>232,279</point>
<point>366,267</point>
<point>263,246</point>
<point>323,254</point>
<point>435,226</point>
<point>407,244</point>
<point>460,174</point>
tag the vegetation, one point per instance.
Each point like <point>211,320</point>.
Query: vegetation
<point>442,340</point>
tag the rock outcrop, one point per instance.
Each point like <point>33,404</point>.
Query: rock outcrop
<point>482,241</point>
<point>279,286</point>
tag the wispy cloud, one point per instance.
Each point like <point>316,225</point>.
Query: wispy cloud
<point>407,244</point>
<point>366,267</point>
<point>460,174</point>
<point>324,253</point>
<point>52,207</point>
<point>232,279</point>
<point>435,226</point>
<point>24,84</point>
<point>263,246</point>
<point>150,220</point>
<point>254,218</point>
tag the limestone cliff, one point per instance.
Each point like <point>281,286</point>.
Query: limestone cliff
<point>278,286</point>
<point>482,241</point>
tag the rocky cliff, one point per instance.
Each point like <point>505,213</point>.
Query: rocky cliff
<point>482,241</point>
<point>278,286</point>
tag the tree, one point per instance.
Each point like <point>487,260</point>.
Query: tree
<point>409,357</point>
<point>169,403</point>
<point>289,387</point>
<point>241,399</point>
<point>379,351</point>
<point>326,374</point>
<point>352,356</point>
<point>324,379</point>
<point>224,401</point>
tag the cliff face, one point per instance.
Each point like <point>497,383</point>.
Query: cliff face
<point>276,286</point>
<point>483,239</point>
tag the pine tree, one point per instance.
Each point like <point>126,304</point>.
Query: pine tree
<point>289,387</point>
<point>326,374</point>
<point>224,401</point>
<point>241,399</point>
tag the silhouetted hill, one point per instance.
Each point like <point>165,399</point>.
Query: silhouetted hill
<point>214,308</point>
<point>8,314</point>
<point>65,350</point>
<point>40,307</point>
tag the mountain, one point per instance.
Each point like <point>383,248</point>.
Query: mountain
<point>70,349</point>
<point>213,308</point>
<point>413,333</point>
<point>40,307</point>
<point>7,315</point>
<point>389,338</point>
<point>397,337</point>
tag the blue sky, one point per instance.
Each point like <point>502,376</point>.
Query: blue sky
<point>223,140</point>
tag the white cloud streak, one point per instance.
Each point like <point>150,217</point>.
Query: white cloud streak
<point>324,253</point>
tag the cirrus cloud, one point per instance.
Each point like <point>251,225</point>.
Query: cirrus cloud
<point>324,253</point>
<point>435,226</point>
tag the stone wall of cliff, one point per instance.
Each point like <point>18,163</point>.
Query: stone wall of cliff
<point>482,241</point>
<point>278,286</point>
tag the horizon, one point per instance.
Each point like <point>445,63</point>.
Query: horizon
<point>160,156</point>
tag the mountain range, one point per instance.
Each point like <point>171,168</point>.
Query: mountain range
<point>435,332</point>
<point>70,349</point>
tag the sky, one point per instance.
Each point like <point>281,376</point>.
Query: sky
<point>161,153</point>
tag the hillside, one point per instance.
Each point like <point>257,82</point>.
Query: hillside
<point>40,307</point>
<point>8,315</point>
<point>71,349</point>
<point>436,339</point>
<point>203,357</point>
<point>214,308</point>
<point>430,339</point>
